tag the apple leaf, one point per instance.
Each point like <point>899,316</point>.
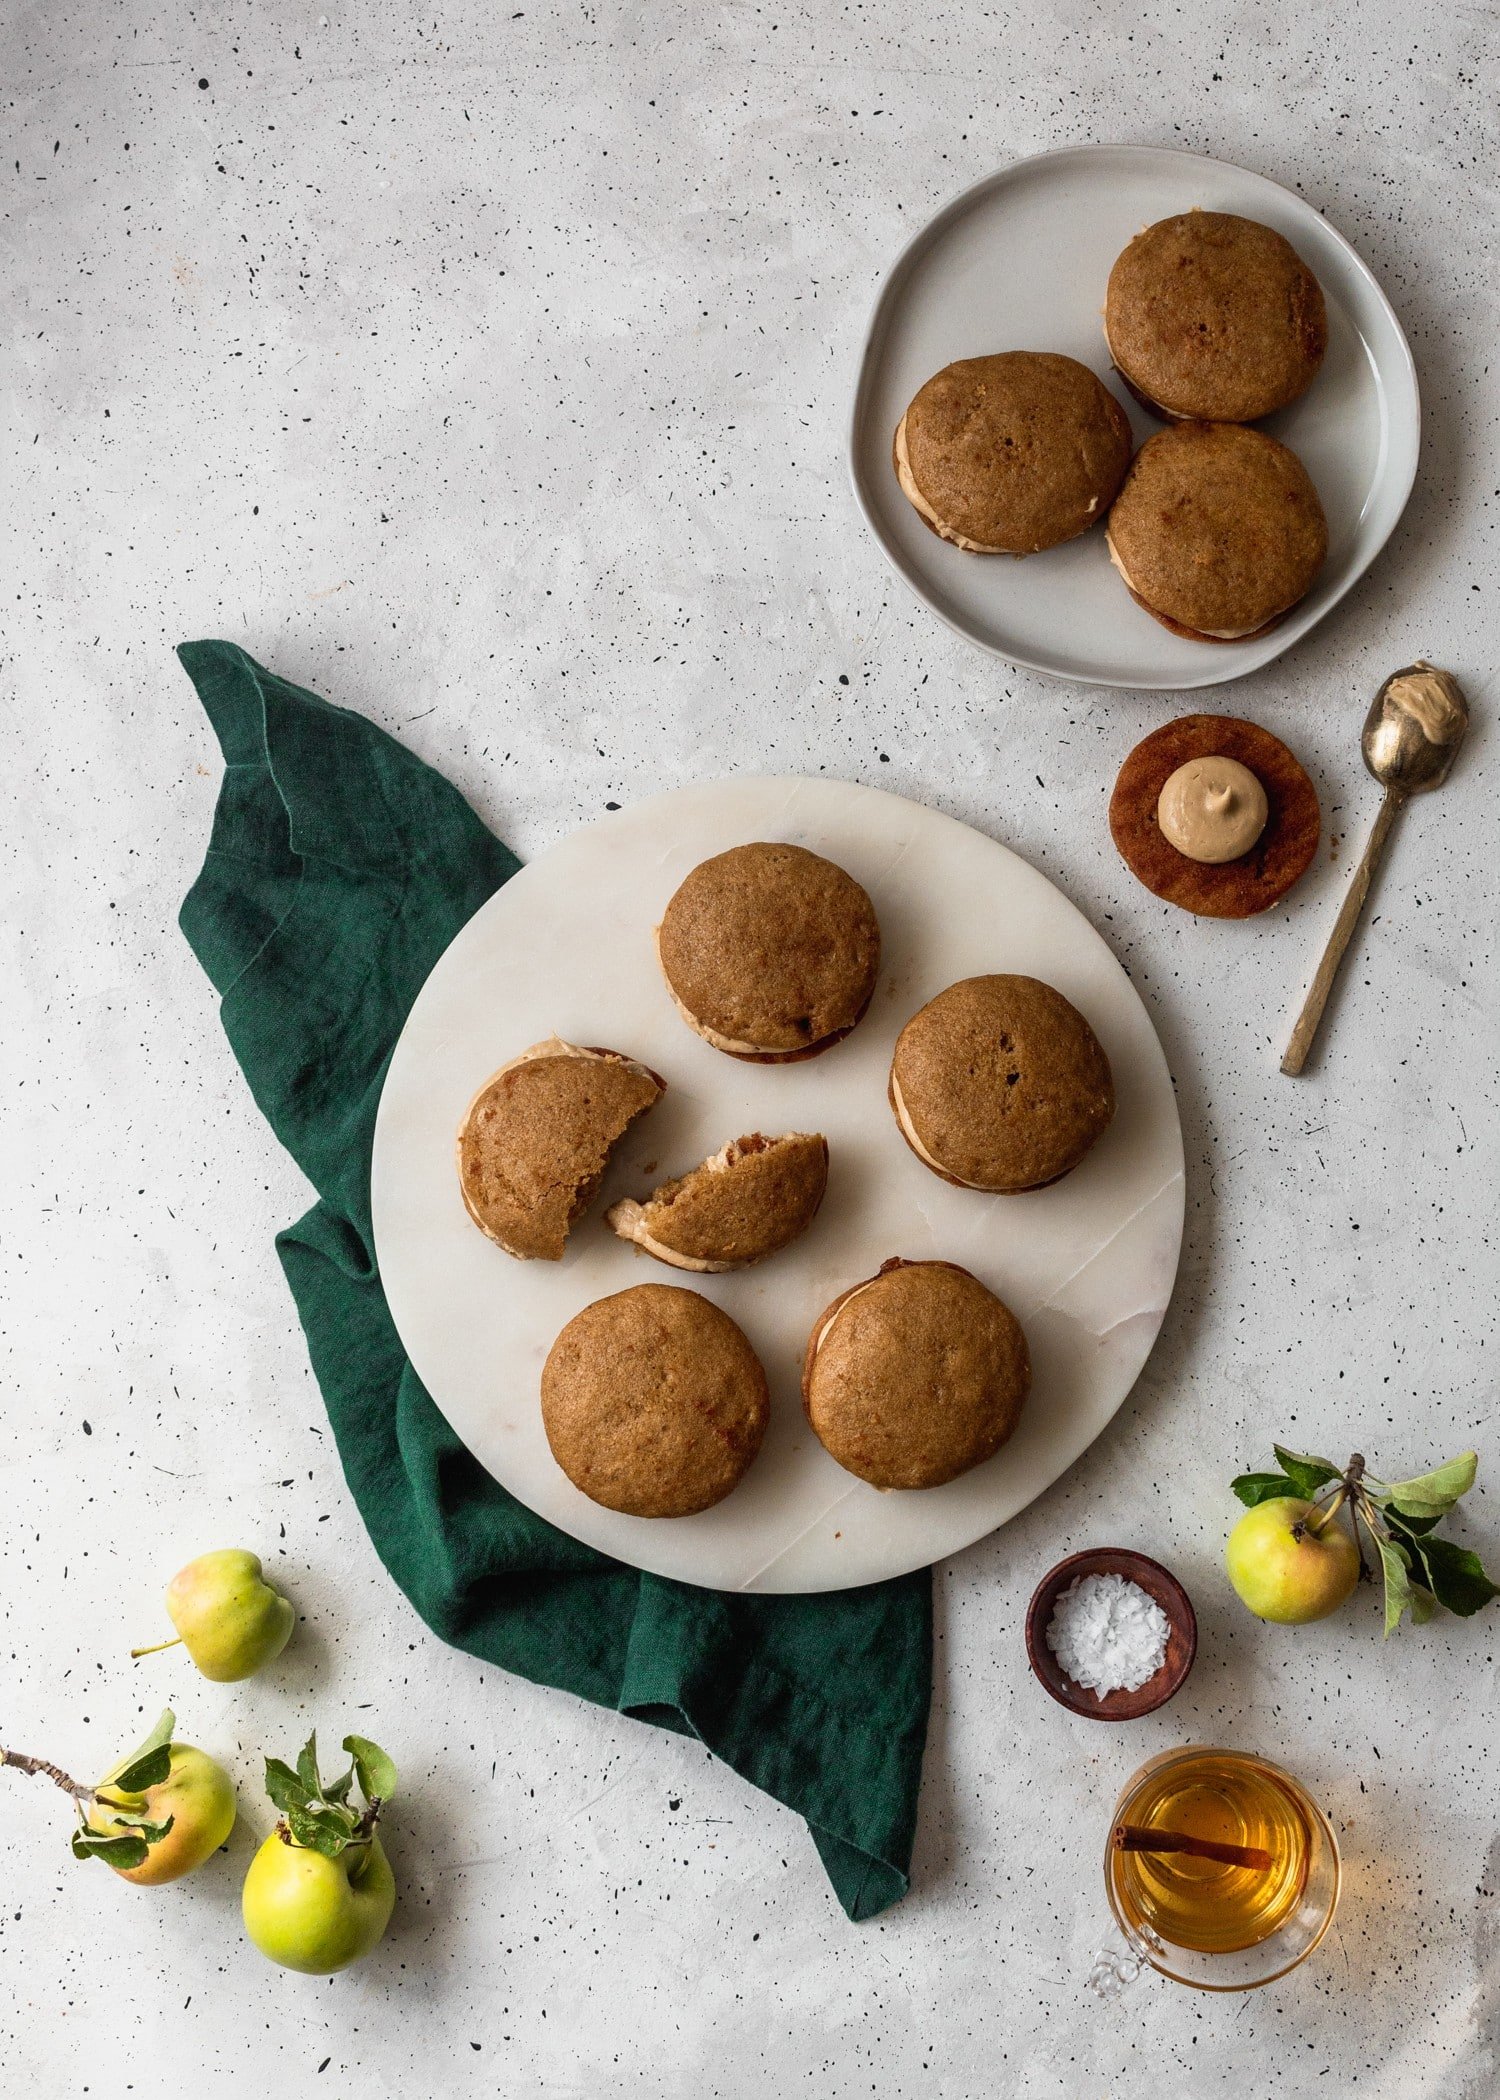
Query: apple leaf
<point>307,1768</point>
<point>1432,1494</point>
<point>319,1833</point>
<point>150,1762</point>
<point>1398,1597</point>
<point>1261,1487</point>
<point>377,1774</point>
<point>285,1786</point>
<point>129,1851</point>
<point>337,1790</point>
<point>1454,1574</point>
<point>1307,1475</point>
<point>1423,1604</point>
<point>153,1833</point>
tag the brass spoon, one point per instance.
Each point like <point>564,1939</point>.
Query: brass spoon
<point>1410,738</point>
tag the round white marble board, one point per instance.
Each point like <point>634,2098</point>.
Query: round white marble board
<point>1020,262</point>
<point>566,947</point>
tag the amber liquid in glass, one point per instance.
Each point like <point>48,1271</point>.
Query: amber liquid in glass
<point>1199,1903</point>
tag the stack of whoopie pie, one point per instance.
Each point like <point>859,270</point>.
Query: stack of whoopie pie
<point>1213,322</point>
<point>653,1400</point>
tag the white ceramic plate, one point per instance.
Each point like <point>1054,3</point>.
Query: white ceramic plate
<point>566,946</point>
<point>1020,262</point>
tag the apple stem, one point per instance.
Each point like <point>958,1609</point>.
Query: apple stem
<point>137,1653</point>
<point>1320,1519</point>
<point>55,1773</point>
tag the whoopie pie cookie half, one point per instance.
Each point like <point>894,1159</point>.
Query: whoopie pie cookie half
<point>654,1402</point>
<point>770,952</point>
<point>1215,815</point>
<point>1218,531</point>
<point>1216,318</point>
<point>1012,453</point>
<point>1000,1084</point>
<point>751,1199</point>
<point>534,1144</point>
<point>916,1375</point>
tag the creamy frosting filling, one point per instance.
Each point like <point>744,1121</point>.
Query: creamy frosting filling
<point>628,1219</point>
<point>915,497</point>
<point>1212,809</point>
<point>1427,695</point>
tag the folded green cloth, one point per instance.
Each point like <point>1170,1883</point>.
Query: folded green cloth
<point>339,870</point>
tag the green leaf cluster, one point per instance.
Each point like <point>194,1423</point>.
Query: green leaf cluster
<point>321,1816</point>
<point>1421,1572</point>
<point>124,1838</point>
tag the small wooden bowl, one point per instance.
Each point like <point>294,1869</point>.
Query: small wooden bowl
<point>1182,1634</point>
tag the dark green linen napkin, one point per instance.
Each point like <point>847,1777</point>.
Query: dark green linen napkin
<point>339,869</point>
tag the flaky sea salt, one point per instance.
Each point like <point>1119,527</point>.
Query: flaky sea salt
<point>1108,1634</point>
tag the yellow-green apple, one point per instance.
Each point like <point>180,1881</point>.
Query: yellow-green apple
<point>198,1797</point>
<point>227,1615</point>
<point>320,1891</point>
<point>316,1914</point>
<point>1291,1563</point>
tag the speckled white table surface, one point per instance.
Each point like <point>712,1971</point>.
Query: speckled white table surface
<point>487,369</point>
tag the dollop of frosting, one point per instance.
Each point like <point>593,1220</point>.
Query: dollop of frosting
<point>1432,699</point>
<point>1212,810</point>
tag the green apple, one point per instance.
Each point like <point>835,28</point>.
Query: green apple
<point>1289,1563</point>
<point>198,1797</point>
<point>316,1914</point>
<point>227,1615</point>
<point>320,1891</point>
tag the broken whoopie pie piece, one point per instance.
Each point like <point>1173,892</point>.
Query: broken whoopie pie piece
<point>770,952</point>
<point>750,1200</point>
<point>915,1375</point>
<point>1000,1084</point>
<point>1184,788</point>
<point>535,1142</point>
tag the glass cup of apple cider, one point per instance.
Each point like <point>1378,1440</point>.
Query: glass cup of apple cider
<point>1222,1870</point>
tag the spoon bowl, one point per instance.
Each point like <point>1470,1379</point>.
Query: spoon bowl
<point>1414,728</point>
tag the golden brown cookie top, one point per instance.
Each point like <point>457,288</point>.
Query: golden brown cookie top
<point>750,1200</point>
<point>654,1402</point>
<point>1012,453</point>
<point>770,952</point>
<point>1218,529</point>
<point>916,1375</point>
<point>1231,889</point>
<point>537,1137</point>
<point>1213,316</point>
<point>999,1083</point>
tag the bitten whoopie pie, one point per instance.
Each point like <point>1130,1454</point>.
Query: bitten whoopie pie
<point>653,1401</point>
<point>1000,1084</point>
<point>1214,317</point>
<point>1215,815</point>
<point>1218,530</point>
<point>916,1375</point>
<point>770,952</point>
<point>1012,453</point>
<point>751,1199</point>
<point>534,1145</point>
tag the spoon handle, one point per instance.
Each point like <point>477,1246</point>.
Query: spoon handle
<point>1343,930</point>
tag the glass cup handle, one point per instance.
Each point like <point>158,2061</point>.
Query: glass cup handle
<point>1115,1968</point>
